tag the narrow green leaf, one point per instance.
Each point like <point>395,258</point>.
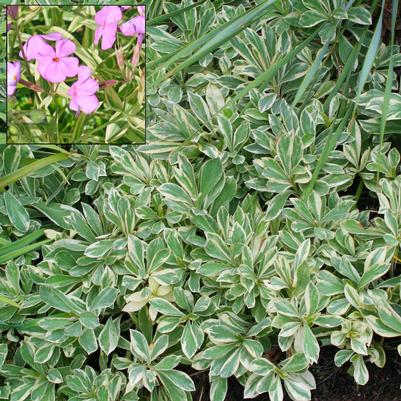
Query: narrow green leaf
<point>30,168</point>
<point>389,82</point>
<point>166,17</point>
<point>371,54</point>
<point>8,301</point>
<point>211,41</point>
<point>311,73</point>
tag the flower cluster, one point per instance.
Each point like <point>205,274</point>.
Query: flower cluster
<point>55,64</point>
<point>83,91</point>
<point>56,61</point>
<point>107,21</point>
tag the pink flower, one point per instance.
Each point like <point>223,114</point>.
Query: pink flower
<point>35,43</point>
<point>136,27</point>
<point>13,76</point>
<point>83,91</point>
<point>107,21</point>
<point>55,65</point>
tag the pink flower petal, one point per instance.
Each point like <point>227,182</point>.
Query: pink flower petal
<point>127,29</point>
<point>88,104</point>
<point>141,10</point>
<point>140,24</point>
<point>65,48</point>
<point>74,104</point>
<point>13,76</point>
<point>83,91</point>
<point>109,36</point>
<point>46,51</point>
<point>84,73</point>
<point>108,14</point>
<point>98,34</point>
<point>32,47</point>
<point>43,63</point>
<point>135,26</point>
<point>87,87</point>
<point>11,89</point>
<point>69,66</point>
<point>13,71</point>
<point>52,71</point>
<point>71,90</point>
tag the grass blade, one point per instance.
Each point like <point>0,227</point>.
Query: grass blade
<point>212,40</point>
<point>333,137</point>
<point>16,252</point>
<point>347,70</point>
<point>389,82</point>
<point>328,147</point>
<point>8,301</point>
<point>31,167</point>
<point>166,17</point>
<point>311,73</point>
<point>314,67</point>
<point>270,72</point>
<point>27,239</point>
<point>371,54</point>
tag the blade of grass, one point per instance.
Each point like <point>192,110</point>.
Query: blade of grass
<point>363,76</point>
<point>371,54</point>
<point>79,126</point>
<point>31,167</point>
<point>347,70</point>
<point>331,141</point>
<point>389,82</point>
<point>166,17</point>
<point>266,77</point>
<point>310,74</point>
<point>212,40</point>
<point>187,49</point>
<point>27,239</point>
<point>21,251</point>
<point>8,301</point>
<point>52,147</point>
<point>154,7</point>
<point>119,117</point>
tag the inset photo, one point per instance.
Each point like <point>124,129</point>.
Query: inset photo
<point>76,74</point>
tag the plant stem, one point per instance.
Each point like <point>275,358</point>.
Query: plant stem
<point>359,190</point>
<point>78,128</point>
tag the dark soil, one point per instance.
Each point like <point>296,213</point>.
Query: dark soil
<point>333,384</point>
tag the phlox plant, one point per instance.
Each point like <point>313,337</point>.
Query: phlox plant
<point>75,74</point>
<point>255,233</point>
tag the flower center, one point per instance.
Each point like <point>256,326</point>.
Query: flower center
<point>14,78</point>
<point>56,59</point>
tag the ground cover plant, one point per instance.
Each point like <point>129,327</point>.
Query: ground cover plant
<point>75,74</point>
<point>259,225</point>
